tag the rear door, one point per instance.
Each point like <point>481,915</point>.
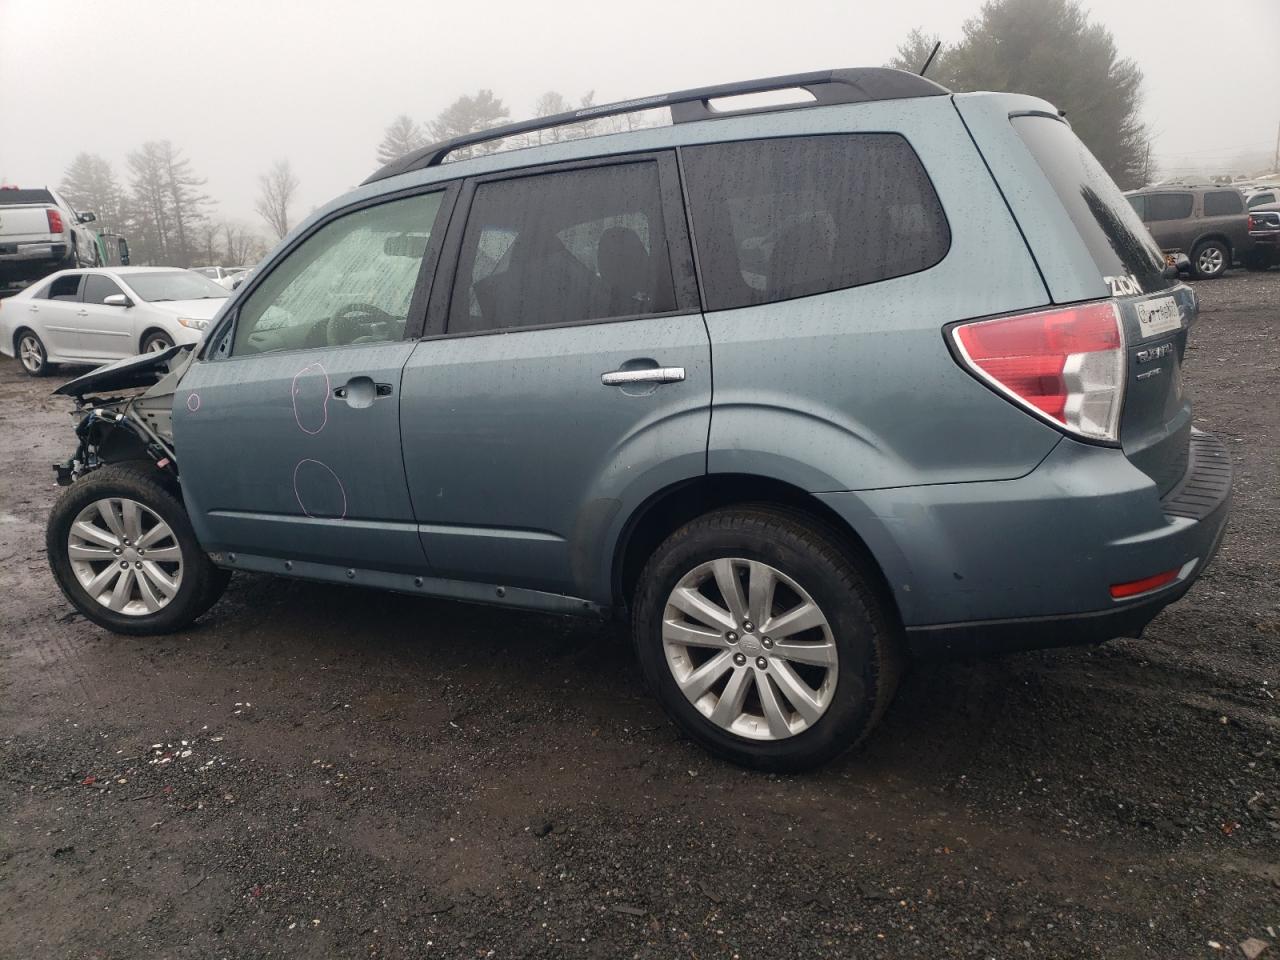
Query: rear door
<point>1169,220</point>
<point>567,377</point>
<point>288,439</point>
<point>55,314</point>
<point>106,332</point>
<point>1224,213</point>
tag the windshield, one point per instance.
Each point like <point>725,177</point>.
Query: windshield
<point>174,285</point>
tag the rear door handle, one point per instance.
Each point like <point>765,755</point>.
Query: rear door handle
<point>617,378</point>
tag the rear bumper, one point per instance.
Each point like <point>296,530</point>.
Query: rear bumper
<point>1028,563</point>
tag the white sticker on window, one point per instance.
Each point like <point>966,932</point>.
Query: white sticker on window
<point>1158,316</point>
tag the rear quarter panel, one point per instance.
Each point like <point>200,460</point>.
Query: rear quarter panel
<point>857,389</point>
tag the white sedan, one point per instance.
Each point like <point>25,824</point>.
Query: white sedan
<point>95,316</point>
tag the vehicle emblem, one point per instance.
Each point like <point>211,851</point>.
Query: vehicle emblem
<point>1154,353</point>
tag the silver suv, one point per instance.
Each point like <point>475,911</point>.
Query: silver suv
<point>797,392</point>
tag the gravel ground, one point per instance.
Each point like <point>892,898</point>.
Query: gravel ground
<point>321,772</point>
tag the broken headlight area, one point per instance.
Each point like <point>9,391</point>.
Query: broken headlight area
<point>133,422</point>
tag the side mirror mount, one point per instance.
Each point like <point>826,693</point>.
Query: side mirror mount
<point>117,300</point>
<point>124,252</point>
<point>88,216</point>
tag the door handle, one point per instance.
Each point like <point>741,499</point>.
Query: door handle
<point>360,392</point>
<point>82,313</point>
<point>618,378</point>
<point>33,309</point>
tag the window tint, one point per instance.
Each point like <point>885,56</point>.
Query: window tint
<point>97,288</point>
<point>64,288</point>
<point>1114,235</point>
<point>1139,205</point>
<point>1258,199</point>
<point>564,247</point>
<point>349,282</point>
<point>1222,202</point>
<point>775,219</point>
<point>1168,206</point>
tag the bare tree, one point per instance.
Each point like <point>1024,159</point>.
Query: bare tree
<point>403,136</point>
<point>277,185</point>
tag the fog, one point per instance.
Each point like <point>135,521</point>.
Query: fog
<point>237,84</point>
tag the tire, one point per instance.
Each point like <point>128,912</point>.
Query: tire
<point>30,351</point>
<point>846,693</point>
<point>1210,260</point>
<point>157,341</point>
<point>196,582</point>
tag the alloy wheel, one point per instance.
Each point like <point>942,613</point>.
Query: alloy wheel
<point>30,353</point>
<point>1210,261</point>
<point>750,648</point>
<point>125,557</point>
<point>158,345</point>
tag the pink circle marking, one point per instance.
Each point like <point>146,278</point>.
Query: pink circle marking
<point>295,390</point>
<point>338,480</point>
<point>193,402</point>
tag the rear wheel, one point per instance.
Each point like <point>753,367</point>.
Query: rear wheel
<point>123,551</point>
<point>763,640</point>
<point>156,342</point>
<point>32,354</point>
<point>1210,259</point>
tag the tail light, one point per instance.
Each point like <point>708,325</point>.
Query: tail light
<point>1064,365</point>
<point>55,221</point>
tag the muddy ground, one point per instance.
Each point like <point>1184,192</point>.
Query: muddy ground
<point>324,772</point>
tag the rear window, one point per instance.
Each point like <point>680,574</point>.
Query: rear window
<point>1112,232</point>
<point>1222,203</point>
<point>12,197</point>
<point>783,218</point>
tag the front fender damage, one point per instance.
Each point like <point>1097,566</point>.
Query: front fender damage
<point>125,412</point>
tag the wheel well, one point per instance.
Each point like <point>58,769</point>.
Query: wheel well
<point>17,333</point>
<point>669,509</point>
<point>1214,236</point>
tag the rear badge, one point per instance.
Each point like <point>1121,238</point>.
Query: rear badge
<point>1158,316</point>
<point>1124,286</point>
<point>1154,353</point>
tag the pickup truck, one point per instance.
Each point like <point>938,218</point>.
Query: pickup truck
<point>41,233</point>
<point>1264,228</point>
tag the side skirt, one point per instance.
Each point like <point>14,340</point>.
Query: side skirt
<point>487,593</point>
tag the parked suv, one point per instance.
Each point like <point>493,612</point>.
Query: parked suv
<point>1264,228</point>
<point>1208,224</point>
<point>798,391</point>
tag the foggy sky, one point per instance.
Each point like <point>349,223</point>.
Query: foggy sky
<point>238,84</point>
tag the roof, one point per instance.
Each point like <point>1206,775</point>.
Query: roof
<point>828,87</point>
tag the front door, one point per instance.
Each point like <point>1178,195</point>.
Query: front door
<point>106,332</point>
<point>568,376</point>
<point>287,431</point>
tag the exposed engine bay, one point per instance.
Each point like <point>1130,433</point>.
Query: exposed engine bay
<point>125,412</point>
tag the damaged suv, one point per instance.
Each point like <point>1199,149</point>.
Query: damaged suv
<point>800,390</point>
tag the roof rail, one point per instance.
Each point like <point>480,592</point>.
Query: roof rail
<point>854,85</point>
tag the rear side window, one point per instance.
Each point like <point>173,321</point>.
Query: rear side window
<point>1222,203</point>
<point>1169,206</point>
<point>1112,232</point>
<point>349,282</point>
<point>564,247</point>
<point>1139,205</point>
<point>783,218</point>
<point>97,288</point>
<point>64,288</point>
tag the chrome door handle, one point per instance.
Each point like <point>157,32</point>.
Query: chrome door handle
<point>645,375</point>
<point>82,313</point>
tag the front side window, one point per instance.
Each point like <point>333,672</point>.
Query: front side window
<point>776,219</point>
<point>564,247</point>
<point>1222,203</point>
<point>1168,206</point>
<point>349,282</point>
<point>97,288</point>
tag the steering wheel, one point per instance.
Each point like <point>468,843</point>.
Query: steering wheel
<point>356,320</point>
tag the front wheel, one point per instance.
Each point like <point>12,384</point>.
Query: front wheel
<point>156,342</point>
<point>1210,259</point>
<point>123,551</point>
<point>763,639</point>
